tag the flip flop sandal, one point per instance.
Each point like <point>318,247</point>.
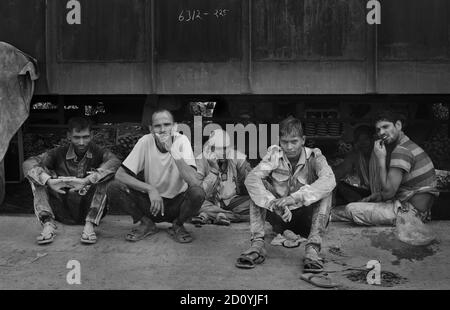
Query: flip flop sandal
<point>180,234</point>
<point>90,238</point>
<point>318,280</point>
<point>249,260</point>
<point>291,243</point>
<point>136,235</point>
<point>198,221</point>
<point>312,266</point>
<point>46,236</point>
<point>222,222</point>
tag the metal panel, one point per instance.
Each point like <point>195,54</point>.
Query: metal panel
<point>334,77</point>
<point>199,78</point>
<point>308,29</point>
<point>415,30</point>
<point>198,30</point>
<point>22,24</point>
<point>97,57</point>
<point>110,31</point>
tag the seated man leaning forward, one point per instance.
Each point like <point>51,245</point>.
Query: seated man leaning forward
<point>171,191</point>
<point>69,183</point>
<point>293,185</point>
<point>223,171</point>
<point>406,174</point>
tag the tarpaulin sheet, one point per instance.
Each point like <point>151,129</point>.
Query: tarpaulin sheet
<point>17,74</point>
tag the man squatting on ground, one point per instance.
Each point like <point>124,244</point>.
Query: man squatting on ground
<point>223,171</point>
<point>59,179</point>
<point>170,192</point>
<point>406,174</point>
<point>293,186</point>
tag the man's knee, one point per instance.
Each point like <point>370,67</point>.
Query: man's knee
<point>115,188</point>
<point>196,195</point>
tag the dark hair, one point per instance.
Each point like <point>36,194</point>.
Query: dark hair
<point>291,125</point>
<point>78,124</point>
<point>363,130</point>
<point>161,110</point>
<point>389,116</point>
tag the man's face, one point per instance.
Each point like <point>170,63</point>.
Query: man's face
<point>162,123</point>
<point>80,139</point>
<point>388,131</point>
<point>219,151</point>
<point>292,145</point>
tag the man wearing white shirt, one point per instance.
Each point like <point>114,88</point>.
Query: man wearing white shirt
<point>170,191</point>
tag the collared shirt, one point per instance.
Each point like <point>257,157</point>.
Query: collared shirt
<point>226,185</point>
<point>311,180</point>
<point>62,161</point>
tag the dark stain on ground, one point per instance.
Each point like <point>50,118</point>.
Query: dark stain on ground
<point>388,279</point>
<point>388,241</point>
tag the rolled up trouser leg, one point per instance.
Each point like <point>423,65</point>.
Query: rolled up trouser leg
<point>41,204</point>
<point>257,221</point>
<point>319,222</point>
<point>97,203</point>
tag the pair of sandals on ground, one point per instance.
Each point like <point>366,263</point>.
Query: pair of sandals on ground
<point>177,232</point>
<point>312,263</point>
<point>49,232</point>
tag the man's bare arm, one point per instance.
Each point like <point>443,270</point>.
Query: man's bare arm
<point>188,173</point>
<point>132,182</point>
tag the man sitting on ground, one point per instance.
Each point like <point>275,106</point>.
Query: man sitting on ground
<point>293,185</point>
<point>354,174</point>
<point>69,183</point>
<point>406,174</point>
<point>223,171</point>
<point>171,191</point>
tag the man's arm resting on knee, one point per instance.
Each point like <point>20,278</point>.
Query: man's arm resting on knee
<point>36,168</point>
<point>129,180</point>
<point>322,187</point>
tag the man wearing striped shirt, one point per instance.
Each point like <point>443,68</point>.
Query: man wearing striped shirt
<point>407,177</point>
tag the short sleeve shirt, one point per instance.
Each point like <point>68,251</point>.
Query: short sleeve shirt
<point>159,168</point>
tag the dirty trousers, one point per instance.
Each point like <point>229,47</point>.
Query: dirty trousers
<point>309,222</point>
<point>236,211</point>
<point>137,204</point>
<point>70,208</point>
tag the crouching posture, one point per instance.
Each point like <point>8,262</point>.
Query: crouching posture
<point>69,183</point>
<point>170,192</point>
<point>406,176</point>
<point>291,188</point>
<point>223,171</point>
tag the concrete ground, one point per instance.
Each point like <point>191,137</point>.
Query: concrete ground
<point>208,262</point>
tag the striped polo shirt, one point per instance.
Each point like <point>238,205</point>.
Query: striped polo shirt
<point>417,165</point>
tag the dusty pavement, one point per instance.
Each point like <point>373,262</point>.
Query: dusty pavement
<point>208,263</point>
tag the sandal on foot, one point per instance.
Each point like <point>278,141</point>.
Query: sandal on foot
<point>288,243</point>
<point>222,220</point>
<point>318,280</point>
<point>139,233</point>
<point>312,263</point>
<point>198,221</point>
<point>255,255</point>
<point>180,234</point>
<point>88,238</point>
<point>47,235</point>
